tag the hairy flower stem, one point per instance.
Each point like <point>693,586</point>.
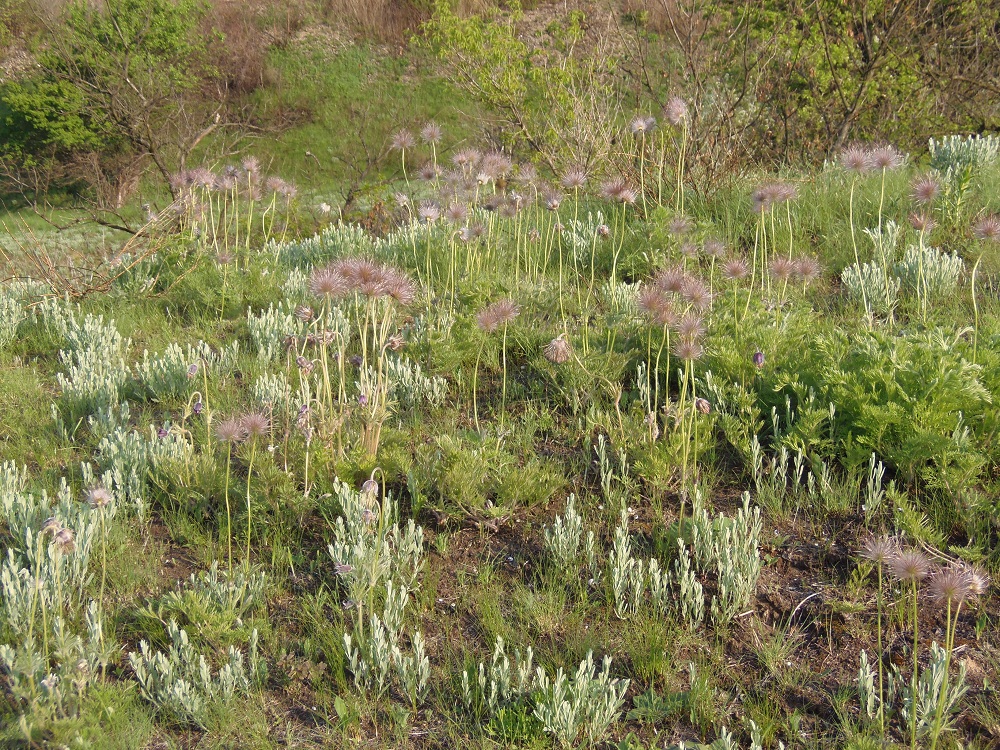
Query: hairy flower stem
<point>916,666</point>
<point>503,356</point>
<point>854,244</point>
<point>229,513</point>
<point>975,311</point>
<point>475,381</point>
<point>949,645</point>
<point>881,656</point>
<point>253,454</point>
<point>104,556</point>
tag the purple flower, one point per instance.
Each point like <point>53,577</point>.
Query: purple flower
<point>758,358</point>
<point>198,406</point>
<point>161,433</point>
<point>192,370</point>
<point>362,399</point>
<point>355,360</point>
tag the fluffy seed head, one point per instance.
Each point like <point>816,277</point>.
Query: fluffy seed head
<point>987,229</point>
<point>691,327</point>
<point>715,248</point>
<point>431,133</point>
<point>325,282</point>
<point>559,350</point>
<point>676,111</point>
<point>781,268</point>
<point>466,158</point>
<point>689,350</point>
<point>735,269</point>
<point>574,179</point>
<point>887,157</point>
<point>978,579</point>
<point>950,586</point>
<point>671,280</point>
<point>403,139</point>
<point>696,294</point>
<point>456,213</point>
<point>653,303</point>
<point>51,525</point>
<point>641,125</point>
<point>807,268</point>
<point>925,189</point>
<point>255,425</point>
<point>229,431</point>
<point>909,566</point>
<point>429,171</point>
<point>679,226</point>
<point>553,201</point>
<point>429,212</point>
<point>500,313</point>
<point>64,541</point>
<point>612,189</point>
<point>496,165</point>
<point>879,549</point>
<point>690,250</point>
<point>856,159</point>
<point>98,497</point>
<point>922,222</point>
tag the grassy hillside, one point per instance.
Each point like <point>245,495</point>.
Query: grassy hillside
<point>549,464</point>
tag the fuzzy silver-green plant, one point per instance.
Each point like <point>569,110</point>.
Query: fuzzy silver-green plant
<point>626,573</point>
<point>562,539</point>
<point>495,684</point>
<point>583,705</point>
<point>929,273</point>
<point>61,678</point>
<point>180,682</point>
<point>731,548</point>
<point>870,284</point>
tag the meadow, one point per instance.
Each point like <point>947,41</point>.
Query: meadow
<point>513,458</point>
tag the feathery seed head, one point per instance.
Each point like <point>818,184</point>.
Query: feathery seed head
<point>574,179</point>
<point>431,133</point>
<point>950,585</point>
<point>456,212</point>
<point>559,350</point>
<point>910,566</point>
<point>689,350</point>
<point>676,111</point>
<point>498,314</point>
<point>255,425</point>
<point>887,157</point>
<point>715,248</point>
<point>925,188</point>
<point>691,327</point>
<point>735,269</point>
<point>64,541</point>
<point>879,549</point>
<point>429,211</point>
<point>807,268</point>
<point>229,431</point>
<point>856,159</point>
<point>922,222</point>
<point>781,268</point>
<point>987,228</point>
<point>98,497</point>
<point>696,294</point>
<point>671,279</point>
<point>403,139</point>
